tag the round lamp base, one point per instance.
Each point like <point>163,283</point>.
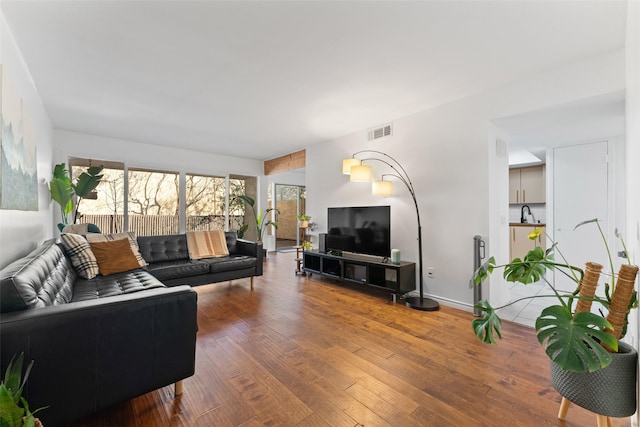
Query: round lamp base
<point>425,305</point>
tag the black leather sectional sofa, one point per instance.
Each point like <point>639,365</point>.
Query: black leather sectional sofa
<point>168,259</point>
<point>106,340</point>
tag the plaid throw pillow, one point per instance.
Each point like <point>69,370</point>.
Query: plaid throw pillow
<point>81,256</point>
<point>133,241</point>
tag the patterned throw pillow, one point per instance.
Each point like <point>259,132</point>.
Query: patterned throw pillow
<point>81,255</point>
<point>114,256</point>
<point>133,241</point>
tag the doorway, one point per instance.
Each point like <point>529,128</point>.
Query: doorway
<point>290,202</point>
<point>577,190</point>
<point>528,211</point>
<point>569,133</point>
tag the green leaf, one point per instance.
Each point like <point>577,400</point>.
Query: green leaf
<point>10,413</point>
<point>62,193</point>
<point>574,343</point>
<point>529,270</point>
<point>485,326</point>
<point>87,181</point>
<point>60,172</point>
<point>243,230</point>
<point>248,200</point>
<point>484,270</point>
<point>13,377</point>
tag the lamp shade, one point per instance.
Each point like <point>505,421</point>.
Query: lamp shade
<point>347,164</point>
<point>382,188</point>
<point>360,173</point>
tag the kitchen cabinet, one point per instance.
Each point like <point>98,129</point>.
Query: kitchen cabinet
<point>520,244</point>
<point>527,185</point>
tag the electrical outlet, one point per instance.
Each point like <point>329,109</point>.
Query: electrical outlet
<point>431,272</point>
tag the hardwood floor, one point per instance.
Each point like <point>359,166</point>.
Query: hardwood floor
<point>308,352</point>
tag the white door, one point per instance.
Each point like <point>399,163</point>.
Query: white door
<point>579,194</point>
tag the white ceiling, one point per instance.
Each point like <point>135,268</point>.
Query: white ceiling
<point>262,79</point>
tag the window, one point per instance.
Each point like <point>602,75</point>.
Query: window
<point>106,210</point>
<point>153,203</point>
<point>205,201</point>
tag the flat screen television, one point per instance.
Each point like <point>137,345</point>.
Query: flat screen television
<point>364,230</point>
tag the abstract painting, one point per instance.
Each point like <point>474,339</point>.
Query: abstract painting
<point>18,170</point>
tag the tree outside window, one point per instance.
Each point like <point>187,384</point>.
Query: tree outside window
<point>153,203</point>
<point>205,196</point>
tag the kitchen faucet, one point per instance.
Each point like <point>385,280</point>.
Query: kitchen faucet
<point>523,219</point>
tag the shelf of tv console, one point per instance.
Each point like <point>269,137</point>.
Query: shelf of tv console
<point>365,270</point>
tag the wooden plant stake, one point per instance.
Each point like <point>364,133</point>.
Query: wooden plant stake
<point>588,286</point>
<point>620,300</point>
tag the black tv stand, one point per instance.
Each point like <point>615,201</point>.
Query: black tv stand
<point>398,279</point>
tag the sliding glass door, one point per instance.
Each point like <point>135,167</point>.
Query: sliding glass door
<point>290,202</point>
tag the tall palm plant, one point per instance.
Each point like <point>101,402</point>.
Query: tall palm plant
<point>63,189</point>
<point>262,221</point>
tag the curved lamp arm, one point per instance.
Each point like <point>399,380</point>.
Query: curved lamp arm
<point>420,303</point>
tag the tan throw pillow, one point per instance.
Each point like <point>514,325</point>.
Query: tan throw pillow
<point>95,237</point>
<point>114,256</point>
<point>80,254</point>
<point>207,244</point>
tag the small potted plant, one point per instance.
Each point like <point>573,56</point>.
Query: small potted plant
<point>304,220</point>
<point>14,409</point>
<point>580,344</point>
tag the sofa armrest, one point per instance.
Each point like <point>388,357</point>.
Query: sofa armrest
<point>254,249</point>
<point>90,355</point>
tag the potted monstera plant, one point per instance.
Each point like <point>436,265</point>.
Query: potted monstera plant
<point>584,347</point>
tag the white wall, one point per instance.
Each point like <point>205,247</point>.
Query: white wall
<point>139,154</point>
<point>633,154</point>
<point>447,153</point>
<point>22,231</point>
<point>142,155</point>
<point>296,177</point>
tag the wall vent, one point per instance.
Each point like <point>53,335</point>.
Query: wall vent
<point>380,132</point>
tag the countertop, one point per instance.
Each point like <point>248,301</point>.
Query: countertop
<point>527,224</point>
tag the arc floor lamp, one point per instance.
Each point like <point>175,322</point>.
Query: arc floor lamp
<point>360,172</point>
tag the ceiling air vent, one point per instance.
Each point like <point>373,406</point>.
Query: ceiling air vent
<point>380,132</point>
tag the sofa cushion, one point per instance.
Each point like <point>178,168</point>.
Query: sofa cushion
<point>80,254</point>
<point>84,228</point>
<point>114,284</point>
<point>42,278</point>
<point>170,247</point>
<point>133,241</point>
<point>114,256</point>
<point>176,269</point>
<point>232,262</point>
